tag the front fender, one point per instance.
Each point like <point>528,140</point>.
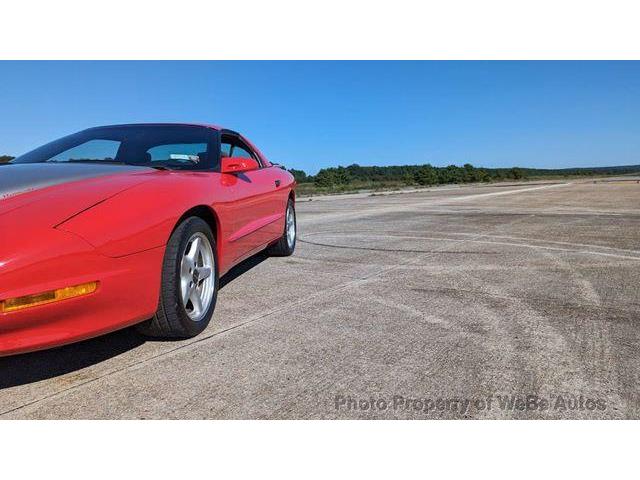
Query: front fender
<point>143,217</point>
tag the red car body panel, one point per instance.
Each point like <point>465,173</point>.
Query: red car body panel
<point>113,229</point>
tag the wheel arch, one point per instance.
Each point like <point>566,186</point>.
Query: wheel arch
<point>207,214</point>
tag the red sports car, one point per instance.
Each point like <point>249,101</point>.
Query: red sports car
<point>132,224</point>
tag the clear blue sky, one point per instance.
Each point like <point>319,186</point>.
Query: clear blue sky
<point>310,115</point>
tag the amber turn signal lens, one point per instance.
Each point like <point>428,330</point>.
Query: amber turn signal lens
<point>19,303</point>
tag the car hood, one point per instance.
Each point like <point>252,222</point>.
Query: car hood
<point>46,194</point>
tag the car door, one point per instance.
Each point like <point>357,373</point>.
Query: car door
<point>258,208</point>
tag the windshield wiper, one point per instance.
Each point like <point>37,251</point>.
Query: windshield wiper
<point>164,165</point>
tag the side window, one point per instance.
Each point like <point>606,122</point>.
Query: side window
<point>93,150</point>
<point>240,152</point>
<point>232,146</point>
<point>225,149</point>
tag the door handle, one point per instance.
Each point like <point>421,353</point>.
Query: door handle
<point>277,183</point>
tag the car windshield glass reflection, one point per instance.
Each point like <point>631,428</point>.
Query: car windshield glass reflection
<point>160,146</point>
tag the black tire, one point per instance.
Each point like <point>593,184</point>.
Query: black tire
<point>283,248</point>
<point>171,319</point>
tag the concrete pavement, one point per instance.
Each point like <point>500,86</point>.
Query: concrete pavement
<point>472,302</point>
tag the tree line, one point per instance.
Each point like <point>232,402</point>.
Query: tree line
<point>430,175</point>
<point>5,158</point>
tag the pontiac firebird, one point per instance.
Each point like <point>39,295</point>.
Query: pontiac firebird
<point>132,224</point>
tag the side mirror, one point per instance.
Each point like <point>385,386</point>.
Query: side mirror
<point>238,164</point>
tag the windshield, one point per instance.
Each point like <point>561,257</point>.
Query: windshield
<point>166,146</point>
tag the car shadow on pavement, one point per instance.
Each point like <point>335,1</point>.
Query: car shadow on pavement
<point>242,268</point>
<point>33,367</point>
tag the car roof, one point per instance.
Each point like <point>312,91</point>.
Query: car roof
<point>206,125</point>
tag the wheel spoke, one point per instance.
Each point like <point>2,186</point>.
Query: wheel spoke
<point>186,267</point>
<point>196,301</point>
<point>194,251</point>
<point>187,291</point>
<point>203,272</point>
